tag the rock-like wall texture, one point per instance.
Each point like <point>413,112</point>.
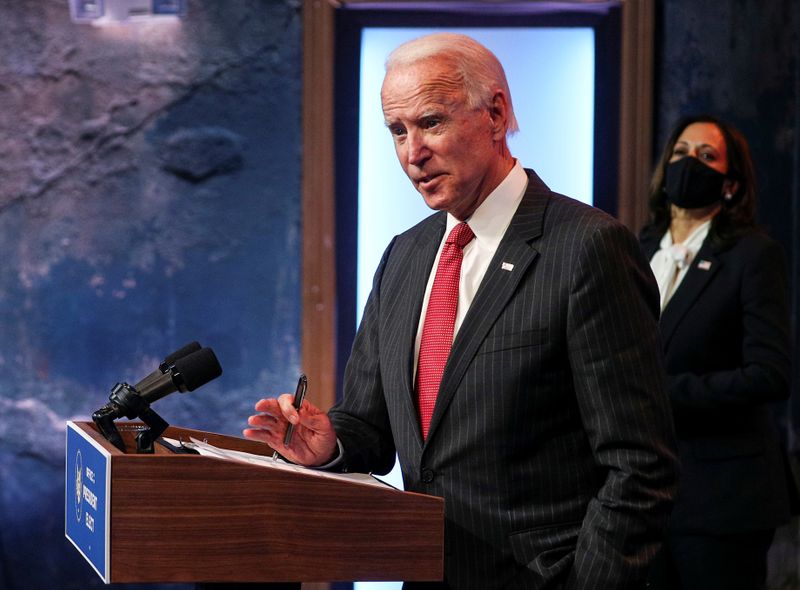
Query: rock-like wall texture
<point>149,196</point>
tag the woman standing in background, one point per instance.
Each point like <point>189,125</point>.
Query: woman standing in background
<point>725,331</point>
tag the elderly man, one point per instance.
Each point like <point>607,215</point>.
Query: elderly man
<point>508,353</point>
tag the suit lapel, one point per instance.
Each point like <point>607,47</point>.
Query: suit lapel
<point>496,288</point>
<point>704,266</point>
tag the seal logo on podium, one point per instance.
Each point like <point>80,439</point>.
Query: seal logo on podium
<point>78,486</point>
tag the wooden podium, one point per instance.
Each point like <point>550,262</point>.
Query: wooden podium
<point>190,518</point>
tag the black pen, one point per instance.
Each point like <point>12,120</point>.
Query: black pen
<point>299,396</point>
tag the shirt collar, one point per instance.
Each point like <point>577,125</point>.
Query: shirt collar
<point>492,217</point>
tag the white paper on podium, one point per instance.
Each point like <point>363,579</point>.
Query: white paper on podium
<point>209,450</point>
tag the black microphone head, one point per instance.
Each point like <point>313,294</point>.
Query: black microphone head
<point>197,368</point>
<point>188,349</point>
<point>148,382</point>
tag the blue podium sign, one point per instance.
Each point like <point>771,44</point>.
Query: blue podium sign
<point>88,490</point>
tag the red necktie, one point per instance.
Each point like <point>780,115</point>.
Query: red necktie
<point>440,317</point>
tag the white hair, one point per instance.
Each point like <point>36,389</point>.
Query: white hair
<point>476,68</point>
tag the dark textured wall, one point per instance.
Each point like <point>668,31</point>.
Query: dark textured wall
<point>149,196</point>
<point>738,59</point>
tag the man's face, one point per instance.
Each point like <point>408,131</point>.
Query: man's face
<point>448,149</point>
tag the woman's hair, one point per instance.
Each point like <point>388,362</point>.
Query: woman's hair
<point>476,68</point>
<point>737,215</point>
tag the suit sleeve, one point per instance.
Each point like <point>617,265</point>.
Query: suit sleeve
<point>616,361</point>
<point>764,373</point>
<point>361,420</point>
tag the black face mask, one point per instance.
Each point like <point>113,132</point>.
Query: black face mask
<point>690,184</point>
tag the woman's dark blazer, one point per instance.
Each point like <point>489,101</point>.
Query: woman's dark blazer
<point>726,341</point>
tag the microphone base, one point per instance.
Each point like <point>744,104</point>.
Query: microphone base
<point>146,438</point>
<point>126,401</point>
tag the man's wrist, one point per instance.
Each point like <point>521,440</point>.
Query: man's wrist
<point>336,461</point>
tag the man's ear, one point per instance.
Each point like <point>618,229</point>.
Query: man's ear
<point>499,114</point>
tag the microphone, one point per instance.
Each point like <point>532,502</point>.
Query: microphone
<point>185,373</point>
<point>169,360</point>
<point>184,370</point>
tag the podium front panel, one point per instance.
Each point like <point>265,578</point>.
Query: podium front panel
<point>86,513</point>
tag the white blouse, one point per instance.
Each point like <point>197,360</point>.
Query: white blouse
<point>671,262</point>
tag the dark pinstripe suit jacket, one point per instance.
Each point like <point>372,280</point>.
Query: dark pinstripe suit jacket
<point>551,440</point>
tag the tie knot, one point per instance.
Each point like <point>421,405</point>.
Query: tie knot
<point>460,235</point>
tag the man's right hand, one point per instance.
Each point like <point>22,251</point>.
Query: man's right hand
<point>314,440</point>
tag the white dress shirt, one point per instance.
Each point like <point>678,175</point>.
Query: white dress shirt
<point>672,261</point>
<point>489,223</point>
